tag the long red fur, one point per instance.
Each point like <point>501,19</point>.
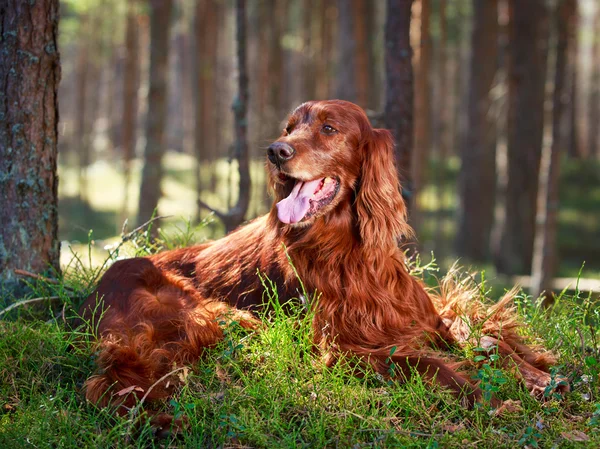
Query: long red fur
<point>163,311</point>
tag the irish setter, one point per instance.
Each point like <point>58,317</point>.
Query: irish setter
<point>338,214</point>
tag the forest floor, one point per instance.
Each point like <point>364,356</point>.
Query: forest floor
<point>268,389</point>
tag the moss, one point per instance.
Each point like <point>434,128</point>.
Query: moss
<point>17,128</point>
<point>33,59</point>
<point>50,48</point>
<point>24,237</point>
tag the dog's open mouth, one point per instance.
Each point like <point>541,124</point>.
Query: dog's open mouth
<point>306,199</point>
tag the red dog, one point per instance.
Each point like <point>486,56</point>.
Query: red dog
<point>339,213</point>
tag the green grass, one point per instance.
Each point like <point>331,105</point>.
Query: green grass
<point>269,389</point>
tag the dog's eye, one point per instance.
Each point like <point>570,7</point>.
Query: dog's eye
<point>288,129</point>
<point>328,129</point>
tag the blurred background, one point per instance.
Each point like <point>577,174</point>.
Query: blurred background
<point>505,169</point>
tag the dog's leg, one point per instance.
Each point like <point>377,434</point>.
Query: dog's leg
<point>535,379</point>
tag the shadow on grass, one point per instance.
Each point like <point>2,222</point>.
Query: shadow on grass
<point>76,218</point>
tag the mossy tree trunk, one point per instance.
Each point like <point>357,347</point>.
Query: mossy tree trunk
<point>29,77</point>
<point>160,25</point>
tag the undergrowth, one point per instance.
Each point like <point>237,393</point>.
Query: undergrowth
<point>269,389</point>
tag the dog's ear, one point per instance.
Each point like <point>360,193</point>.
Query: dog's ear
<point>379,204</point>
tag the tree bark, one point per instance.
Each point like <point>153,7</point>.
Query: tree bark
<point>477,177</point>
<point>29,77</point>
<point>399,89</point>
<point>545,251</point>
<point>526,77</point>
<point>130,100</point>
<point>160,25</point>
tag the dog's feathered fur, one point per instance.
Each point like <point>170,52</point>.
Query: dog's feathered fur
<point>163,311</point>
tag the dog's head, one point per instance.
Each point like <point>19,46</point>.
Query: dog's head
<point>328,159</point>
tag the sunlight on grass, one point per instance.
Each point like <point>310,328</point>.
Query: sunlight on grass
<point>105,196</point>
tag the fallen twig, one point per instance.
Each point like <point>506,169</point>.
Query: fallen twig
<point>26,301</point>
<point>130,235</point>
<point>36,276</point>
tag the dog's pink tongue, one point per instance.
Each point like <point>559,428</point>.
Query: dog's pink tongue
<point>293,208</point>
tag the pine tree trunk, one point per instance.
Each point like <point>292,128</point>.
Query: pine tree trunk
<point>443,120</point>
<point>160,25</point>
<point>345,79</point>
<point>398,114</point>
<point>594,105</point>
<point>130,100</point>
<point>29,77</point>
<point>477,177</point>
<point>236,216</point>
<point>526,83</point>
<point>82,147</point>
<point>422,106</point>
<point>545,252</point>
<point>573,136</point>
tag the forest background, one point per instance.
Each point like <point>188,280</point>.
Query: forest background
<point>498,90</point>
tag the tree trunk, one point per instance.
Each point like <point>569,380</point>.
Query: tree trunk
<point>526,85</point>
<point>29,77</point>
<point>477,177</point>
<point>130,100</point>
<point>594,105</point>
<point>160,25</point>
<point>345,87</point>
<point>422,106</point>
<point>545,251</point>
<point>399,89</point>
<point>81,139</point>
<point>235,216</point>
<point>443,120</point>
<point>362,60</point>
<point>573,136</point>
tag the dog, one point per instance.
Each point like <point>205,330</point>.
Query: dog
<point>338,215</point>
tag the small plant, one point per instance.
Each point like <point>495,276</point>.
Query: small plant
<point>489,376</point>
<point>594,420</point>
<point>530,437</point>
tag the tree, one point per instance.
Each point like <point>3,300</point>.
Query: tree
<point>526,91</point>
<point>545,250</point>
<point>398,113</point>
<point>235,216</point>
<point>160,25</point>
<point>477,177</point>
<point>422,106</point>
<point>130,99</point>
<point>594,105</point>
<point>29,77</point>
<point>81,128</point>
<point>573,136</point>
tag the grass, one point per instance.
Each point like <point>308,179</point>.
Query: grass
<point>269,389</point>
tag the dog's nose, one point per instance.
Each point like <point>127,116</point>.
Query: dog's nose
<point>280,152</point>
